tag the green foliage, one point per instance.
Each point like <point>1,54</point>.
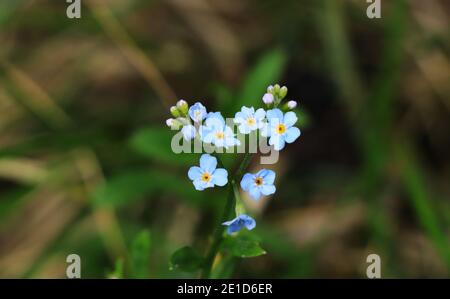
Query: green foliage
<point>130,186</point>
<point>266,71</point>
<point>243,245</point>
<point>140,255</point>
<point>155,143</point>
<point>118,272</point>
<point>186,259</point>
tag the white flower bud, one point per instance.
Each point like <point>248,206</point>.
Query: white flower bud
<point>292,104</point>
<point>169,122</point>
<point>182,105</point>
<point>268,98</point>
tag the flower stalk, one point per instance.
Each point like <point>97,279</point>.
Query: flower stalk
<point>229,205</point>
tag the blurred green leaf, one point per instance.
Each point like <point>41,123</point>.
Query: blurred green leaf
<point>155,143</point>
<point>7,8</point>
<point>118,270</point>
<point>140,255</point>
<point>243,246</point>
<point>267,71</point>
<point>134,185</point>
<point>186,259</point>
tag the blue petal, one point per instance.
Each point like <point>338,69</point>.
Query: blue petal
<point>260,113</point>
<point>290,119</point>
<point>208,163</point>
<point>265,130</point>
<point>244,128</point>
<point>199,184</point>
<point>247,111</point>
<point>238,118</point>
<point>188,132</point>
<point>247,181</point>
<point>249,222</point>
<point>194,173</point>
<point>197,107</point>
<point>220,177</point>
<point>275,114</point>
<point>254,192</point>
<point>215,120</point>
<point>234,226</point>
<point>291,134</point>
<point>268,189</point>
<point>268,176</point>
<point>277,141</point>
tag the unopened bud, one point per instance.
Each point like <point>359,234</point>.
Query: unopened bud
<point>292,104</point>
<point>183,106</point>
<point>268,98</point>
<point>169,122</point>
<point>174,111</point>
<point>283,92</point>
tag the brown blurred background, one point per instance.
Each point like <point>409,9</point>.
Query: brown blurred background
<point>85,161</point>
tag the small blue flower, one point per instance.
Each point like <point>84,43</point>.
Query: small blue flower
<point>259,183</point>
<point>280,128</point>
<point>249,120</point>
<point>239,222</point>
<point>197,112</point>
<point>188,132</point>
<point>216,131</point>
<point>207,176</point>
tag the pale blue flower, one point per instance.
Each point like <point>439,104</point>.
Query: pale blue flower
<point>188,132</point>
<point>197,112</point>
<point>240,222</point>
<point>280,128</point>
<point>207,175</point>
<point>216,131</point>
<point>249,120</point>
<point>260,183</point>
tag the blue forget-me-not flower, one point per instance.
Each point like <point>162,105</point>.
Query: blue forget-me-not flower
<point>239,222</point>
<point>207,175</point>
<point>280,128</point>
<point>197,112</point>
<point>260,183</point>
<point>216,131</point>
<point>249,120</point>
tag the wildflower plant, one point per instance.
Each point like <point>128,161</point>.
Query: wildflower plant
<point>210,128</point>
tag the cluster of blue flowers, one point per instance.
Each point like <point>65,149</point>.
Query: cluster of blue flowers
<point>210,127</point>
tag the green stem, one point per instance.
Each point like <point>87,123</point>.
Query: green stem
<point>218,234</point>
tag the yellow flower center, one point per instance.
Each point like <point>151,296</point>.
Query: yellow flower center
<point>251,121</point>
<point>219,135</point>
<point>281,128</point>
<point>259,181</point>
<point>206,177</point>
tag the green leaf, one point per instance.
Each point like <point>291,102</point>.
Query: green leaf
<point>243,246</point>
<point>8,8</point>
<point>140,255</point>
<point>267,71</point>
<point>133,185</point>
<point>155,143</point>
<point>186,259</point>
<point>118,270</point>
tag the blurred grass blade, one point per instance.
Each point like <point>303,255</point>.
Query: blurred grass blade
<point>140,255</point>
<point>267,71</point>
<point>155,143</point>
<point>415,185</point>
<point>127,187</point>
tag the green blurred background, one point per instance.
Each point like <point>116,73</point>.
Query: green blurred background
<point>85,159</point>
